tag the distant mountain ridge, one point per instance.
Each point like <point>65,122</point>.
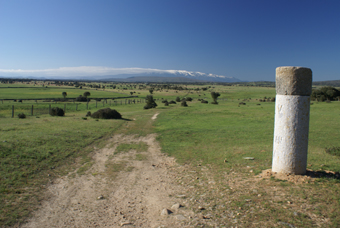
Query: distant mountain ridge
<point>175,74</point>
<point>93,73</point>
<point>154,79</point>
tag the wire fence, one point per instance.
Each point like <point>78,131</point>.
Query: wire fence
<point>35,108</point>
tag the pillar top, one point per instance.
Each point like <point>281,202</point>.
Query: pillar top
<point>292,80</point>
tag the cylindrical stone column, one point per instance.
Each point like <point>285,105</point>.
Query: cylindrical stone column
<point>293,90</point>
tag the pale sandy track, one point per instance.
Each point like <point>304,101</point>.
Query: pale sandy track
<point>134,199</point>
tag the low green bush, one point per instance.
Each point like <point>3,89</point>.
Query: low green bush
<point>184,104</point>
<point>21,115</point>
<point>106,113</point>
<point>57,112</point>
<point>333,150</point>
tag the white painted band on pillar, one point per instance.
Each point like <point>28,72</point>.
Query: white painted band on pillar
<point>291,134</point>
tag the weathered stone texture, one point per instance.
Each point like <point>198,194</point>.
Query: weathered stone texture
<point>291,134</point>
<point>293,81</point>
<point>293,89</point>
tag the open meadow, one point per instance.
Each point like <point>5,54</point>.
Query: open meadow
<point>209,142</point>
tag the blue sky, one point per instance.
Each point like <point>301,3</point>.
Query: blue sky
<point>235,38</point>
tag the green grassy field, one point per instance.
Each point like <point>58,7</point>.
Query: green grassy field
<point>34,151</point>
<point>39,92</point>
<point>211,133</point>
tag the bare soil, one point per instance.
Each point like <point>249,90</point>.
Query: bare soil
<point>134,196</point>
<point>149,189</point>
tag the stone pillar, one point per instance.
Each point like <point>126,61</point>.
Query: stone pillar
<point>293,90</point>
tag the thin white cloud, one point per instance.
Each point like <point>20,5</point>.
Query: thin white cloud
<point>82,71</point>
<point>93,71</point>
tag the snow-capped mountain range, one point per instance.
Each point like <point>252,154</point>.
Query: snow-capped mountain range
<point>106,73</point>
<point>199,76</point>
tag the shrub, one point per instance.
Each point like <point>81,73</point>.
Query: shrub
<point>188,99</point>
<point>166,103</point>
<point>172,102</point>
<point>106,113</point>
<point>57,112</point>
<point>273,99</point>
<point>88,113</point>
<point>325,93</point>
<point>204,102</point>
<point>150,102</point>
<point>82,99</point>
<point>163,101</point>
<point>178,99</point>
<point>21,115</point>
<point>242,103</point>
<point>333,151</point>
<point>184,104</point>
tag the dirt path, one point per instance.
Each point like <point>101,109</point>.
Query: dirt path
<point>127,189</point>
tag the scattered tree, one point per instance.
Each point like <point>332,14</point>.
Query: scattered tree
<point>87,94</point>
<point>214,96</point>
<point>325,93</point>
<point>150,102</point>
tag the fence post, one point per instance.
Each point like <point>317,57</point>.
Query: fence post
<point>12,111</point>
<point>32,111</point>
<point>293,89</point>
